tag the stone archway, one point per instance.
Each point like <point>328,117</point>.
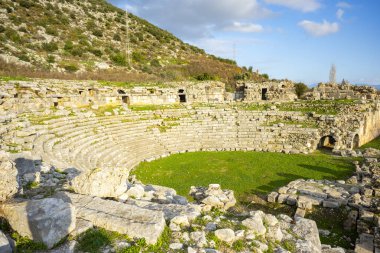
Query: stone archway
<point>327,142</point>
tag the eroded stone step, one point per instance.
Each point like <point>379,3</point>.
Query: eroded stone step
<point>132,220</point>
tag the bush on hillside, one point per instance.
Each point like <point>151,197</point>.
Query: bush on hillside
<point>205,77</point>
<point>50,47</point>
<point>119,59</point>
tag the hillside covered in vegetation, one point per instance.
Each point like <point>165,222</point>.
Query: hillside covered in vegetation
<point>87,39</point>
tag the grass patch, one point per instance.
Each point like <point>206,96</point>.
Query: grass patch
<point>31,185</point>
<point>14,78</point>
<point>332,220</point>
<point>375,143</point>
<point>138,108</point>
<point>323,107</point>
<point>95,239</point>
<point>134,84</point>
<point>243,172</point>
<point>40,120</point>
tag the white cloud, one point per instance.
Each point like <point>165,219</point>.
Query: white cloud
<point>339,14</point>
<point>244,27</point>
<point>301,5</point>
<point>198,18</point>
<point>319,29</point>
<point>343,5</point>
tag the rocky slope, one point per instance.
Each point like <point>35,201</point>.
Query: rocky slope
<point>90,35</point>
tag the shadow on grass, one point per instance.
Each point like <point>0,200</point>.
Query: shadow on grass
<point>324,173</point>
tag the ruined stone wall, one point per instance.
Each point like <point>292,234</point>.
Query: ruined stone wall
<point>271,91</point>
<point>344,91</point>
<point>26,96</point>
<point>370,125</point>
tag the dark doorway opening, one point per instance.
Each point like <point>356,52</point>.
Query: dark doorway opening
<point>327,142</point>
<point>182,96</point>
<point>355,142</point>
<point>264,92</point>
<point>126,100</point>
<point>55,104</point>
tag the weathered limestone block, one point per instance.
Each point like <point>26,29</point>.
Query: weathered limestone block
<point>331,204</point>
<point>8,177</point>
<point>225,235</point>
<point>199,238</point>
<point>123,218</point>
<point>365,244</point>
<point>170,210</point>
<point>308,231</point>
<point>255,223</point>
<point>47,220</point>
<point>101,182</point>
<point>272,197</point>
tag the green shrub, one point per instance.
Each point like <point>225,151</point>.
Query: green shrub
<point>97,33</point>
<point>50,47</point>
<point>22,29</point>
<point>77,52</point>
<point>26,4</point>
<point>155,63</point>
<point>301,88</point>
<point>96,52</point>
<point>13,35</point>
<point>68,46</point>
<point>51,31</point>
<point>71,68</point>
<point>205,77</point>
<point>119,59</point>
<point>24,57</point>
<point>2,29</point>
<point>117,37</point>
<point>50,59</point>
<point>138,57</point>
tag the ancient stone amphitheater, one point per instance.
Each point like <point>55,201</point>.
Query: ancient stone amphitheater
<point>68,148</point>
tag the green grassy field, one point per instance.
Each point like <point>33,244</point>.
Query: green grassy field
<point>243,172</point>
<point>375,143</point>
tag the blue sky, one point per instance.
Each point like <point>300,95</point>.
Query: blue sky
<point>294,39</point>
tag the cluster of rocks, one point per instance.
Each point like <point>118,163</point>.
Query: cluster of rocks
<point>213,197</point>
<point>253,232</point>
<point>360,195</point>
<point>143,211</point>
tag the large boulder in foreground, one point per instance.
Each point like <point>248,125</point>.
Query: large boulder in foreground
<point>8,177</point>
<point>101,183</point>
<point>124,218</point>
<point>47,220</point>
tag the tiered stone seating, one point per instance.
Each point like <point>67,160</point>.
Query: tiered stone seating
<point>126,140</point>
